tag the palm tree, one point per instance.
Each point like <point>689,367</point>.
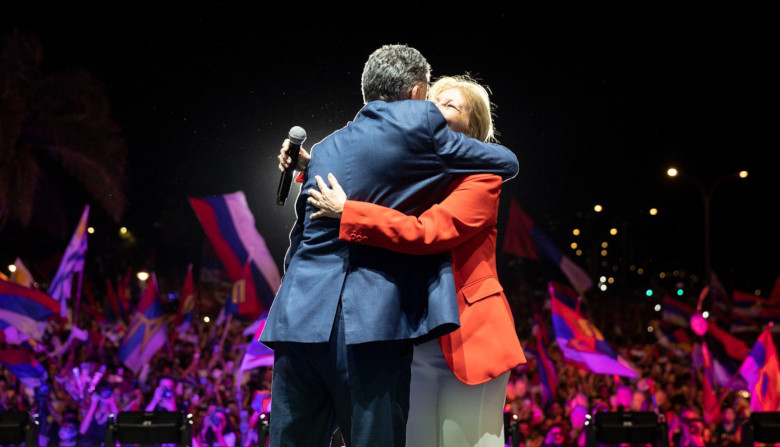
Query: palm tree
<point>55,130</point>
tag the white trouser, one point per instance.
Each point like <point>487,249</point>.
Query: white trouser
<point>446,412</point>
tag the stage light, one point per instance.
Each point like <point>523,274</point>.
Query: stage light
<point>644,427</point>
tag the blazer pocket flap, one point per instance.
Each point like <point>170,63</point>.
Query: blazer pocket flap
<point>480,289</point>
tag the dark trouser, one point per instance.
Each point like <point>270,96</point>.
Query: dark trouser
<point>364,389</point>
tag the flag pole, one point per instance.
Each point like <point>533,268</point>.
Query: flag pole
<point>239,374</point>
<point>225,331</point>
<point>78,300</point>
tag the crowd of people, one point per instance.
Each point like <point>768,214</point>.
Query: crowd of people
<point>196,374</point>
<point>668,384</point>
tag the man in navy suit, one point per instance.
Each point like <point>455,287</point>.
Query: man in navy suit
<point>345,317</point>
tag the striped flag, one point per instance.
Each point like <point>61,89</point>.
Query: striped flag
<point>230,226</point>
<point>673,337</point>
<point>711,403</point>
<point>28,310</point>
<point>582,344</point>
<point>677,312</point>
<point>547,376</point>
<point>61,286</point>
<point>112,299</point>
<point>22,363</point>
<point>257,354</point>
<point>761,371</point>
<point>243,301</point>
<point>740,324</point>
<point>147,332</point>
<point>747,304</point>
<point>124,293</point>
<point>727,352</point>
<point>186,310</point>
<point>523,238</point>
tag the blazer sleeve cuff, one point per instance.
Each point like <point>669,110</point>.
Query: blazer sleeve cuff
<point>350,219</point>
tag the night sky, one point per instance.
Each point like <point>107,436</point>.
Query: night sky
<point>596,105</point>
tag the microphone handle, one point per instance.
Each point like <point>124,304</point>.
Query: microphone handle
<point>286,179</point>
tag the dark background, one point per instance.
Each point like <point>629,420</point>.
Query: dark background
<point>595,103</point>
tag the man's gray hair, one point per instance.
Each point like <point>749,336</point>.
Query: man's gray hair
<point>392,71</point>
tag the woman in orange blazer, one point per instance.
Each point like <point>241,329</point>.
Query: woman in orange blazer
<point>458,386</point>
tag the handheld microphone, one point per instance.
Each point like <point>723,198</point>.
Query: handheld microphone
<point>296,136</point>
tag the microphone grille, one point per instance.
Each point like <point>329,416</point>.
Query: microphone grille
<point>297,135</point>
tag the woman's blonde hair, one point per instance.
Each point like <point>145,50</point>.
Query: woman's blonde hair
<point>478,99</point>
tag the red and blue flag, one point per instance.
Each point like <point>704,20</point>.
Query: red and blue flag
<point>711,403</point>
<point>115,308</point>
<point>147,332</point>
<point>257,354</point>
<point>523,238</point>
<point>186,310</point>
<point>761,371</point>
<point>582,344</point>
<point>243,301</point>
<point>548,379</point>
<point>230,227</point>
<point>22,363</point>
<point>673,337</point>
<point>26,309</point>
<point>727,351</point>
<point>676,312</point>
<point>740,324</point>
<point>747,304</point>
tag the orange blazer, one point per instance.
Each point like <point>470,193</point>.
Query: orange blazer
<point>486,344</point>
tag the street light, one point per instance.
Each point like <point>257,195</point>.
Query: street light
<point>706,196</point>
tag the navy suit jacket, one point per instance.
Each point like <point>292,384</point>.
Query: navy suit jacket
<point>400,155</point>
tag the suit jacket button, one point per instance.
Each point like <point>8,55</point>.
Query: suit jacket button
<point>352,236</point>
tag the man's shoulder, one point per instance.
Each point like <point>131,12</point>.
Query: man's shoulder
<point>406,114</point>
<point>406,106</point>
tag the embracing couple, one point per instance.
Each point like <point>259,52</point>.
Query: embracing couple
<point>390,322</point>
